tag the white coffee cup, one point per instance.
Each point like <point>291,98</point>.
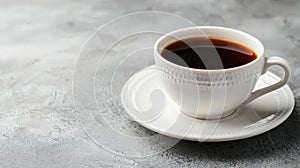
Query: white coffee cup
<point>212,94</point>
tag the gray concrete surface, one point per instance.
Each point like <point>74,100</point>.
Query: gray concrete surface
<point>39,46</point>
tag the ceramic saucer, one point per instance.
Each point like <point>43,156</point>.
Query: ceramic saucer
<point>145,101</point>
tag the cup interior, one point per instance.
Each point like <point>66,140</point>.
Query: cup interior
<point>211,32</point>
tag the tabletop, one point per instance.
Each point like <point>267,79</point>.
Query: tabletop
<point>43,44</point>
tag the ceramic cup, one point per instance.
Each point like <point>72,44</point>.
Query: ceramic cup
<point>213,94</point>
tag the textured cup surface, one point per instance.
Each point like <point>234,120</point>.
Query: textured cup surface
<point>209,94</point>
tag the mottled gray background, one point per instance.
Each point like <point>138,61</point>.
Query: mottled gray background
<point>39,45</point>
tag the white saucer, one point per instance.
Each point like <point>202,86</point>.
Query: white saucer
<point>145,101</point>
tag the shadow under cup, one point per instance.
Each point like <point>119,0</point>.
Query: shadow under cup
<point>213,93</point>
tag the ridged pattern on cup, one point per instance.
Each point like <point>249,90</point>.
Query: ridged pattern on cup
<point>207,79</point>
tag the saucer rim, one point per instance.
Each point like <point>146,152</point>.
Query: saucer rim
<point>236,135</point>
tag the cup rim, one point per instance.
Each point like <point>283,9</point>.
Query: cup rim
<point>156,49</point>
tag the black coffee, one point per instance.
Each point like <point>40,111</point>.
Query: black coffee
<point>212,53</point>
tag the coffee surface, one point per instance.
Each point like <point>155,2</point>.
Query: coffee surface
<point>208,53</point>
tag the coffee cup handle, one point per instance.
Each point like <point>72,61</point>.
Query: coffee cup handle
<point>270,61</point>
